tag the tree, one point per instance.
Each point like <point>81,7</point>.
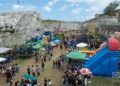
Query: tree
<point>111,7</point>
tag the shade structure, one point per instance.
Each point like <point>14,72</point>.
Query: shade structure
<point>2,59</point>
<point>3,49</point>
<point>81,45</point>
<point>76,55</point>
<point>85,71</point>
<point>26,76</point>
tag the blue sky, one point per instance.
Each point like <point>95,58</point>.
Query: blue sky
<point>68,10</point>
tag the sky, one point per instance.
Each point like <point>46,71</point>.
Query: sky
<point>66,10</point>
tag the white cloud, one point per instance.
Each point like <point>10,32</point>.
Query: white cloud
<point>76,11</point>
<point>74,1</point>
<point>93,10</point>
<point>99,3</point>
<point>17,7</point>
<point>47,9</point>
<point>49,6</point>
<point>64,7</point>
<point>95,7</point>
<point>52,2</point>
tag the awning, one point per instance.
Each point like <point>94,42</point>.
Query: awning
<point>4,50</point>
<point>2,59</point>
<point>76,55</point>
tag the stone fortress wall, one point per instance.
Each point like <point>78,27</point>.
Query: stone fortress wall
<point>15,27</point>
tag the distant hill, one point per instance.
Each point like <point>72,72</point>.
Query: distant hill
<point>51,21</point>
<point>57,21</point>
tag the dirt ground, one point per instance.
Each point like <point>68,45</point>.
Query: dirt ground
<point>49,72</point>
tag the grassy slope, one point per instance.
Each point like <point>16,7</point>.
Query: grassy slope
<point>104,81</point>
<point>55,21</point>
<point>51,21</point>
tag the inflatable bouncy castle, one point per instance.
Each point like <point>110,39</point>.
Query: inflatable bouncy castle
<point>105,61</point>
<point>46,40</point>
<point>48,33</point>
<point>59,34</point>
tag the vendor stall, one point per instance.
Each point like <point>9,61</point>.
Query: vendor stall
<point>76,58</point>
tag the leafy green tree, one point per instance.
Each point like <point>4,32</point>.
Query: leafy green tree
<point>111,7</point>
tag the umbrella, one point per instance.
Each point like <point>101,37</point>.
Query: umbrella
<point>76,55</point>
<point>26,76</point>
<point>85,71</point>
<point>80,45</point>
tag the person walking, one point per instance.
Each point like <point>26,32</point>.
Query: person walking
<point>85,81</point>
<point>28,70</point>
<point>61,47</point>
<point>8,75</point>
<point>45,82</point>
<point>44,58</point>
<point>49,82</point>
<point>38,70</point>
<point>53,63</point>
<point>13,70</point>
<point>11,82</point>
<point>33,70</point>
<point>17,83</point>
<point>36,57</point>
<point>43,66</point>
<point>22,82</point>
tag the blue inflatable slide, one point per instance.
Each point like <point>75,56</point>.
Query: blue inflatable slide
<point>104,62</point>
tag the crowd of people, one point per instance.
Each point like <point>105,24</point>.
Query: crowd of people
<point>73,77</point>
<point>8,71</point>
<point>25,82</point>
<point>58,62</point>
<point>23,50</point>
<point>47,82</point>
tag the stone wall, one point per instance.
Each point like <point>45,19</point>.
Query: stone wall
<point>65,26</point>
<point>22,24</point>
<point>105,25</point>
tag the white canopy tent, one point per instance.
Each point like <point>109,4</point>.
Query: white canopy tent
<point>81,45</point>
<point>4,50</point>
<point>2,59</point>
